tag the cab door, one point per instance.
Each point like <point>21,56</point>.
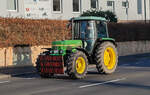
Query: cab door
<point>88,34</point>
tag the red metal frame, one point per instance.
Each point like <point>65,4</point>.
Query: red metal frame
<point>52,64</point>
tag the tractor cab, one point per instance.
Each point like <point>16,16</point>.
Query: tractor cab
<point>89,29</point>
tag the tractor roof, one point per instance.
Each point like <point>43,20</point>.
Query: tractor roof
<point>90,18</point>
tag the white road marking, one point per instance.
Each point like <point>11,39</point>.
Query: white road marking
<point>1,82</point>
<point>96,84</point>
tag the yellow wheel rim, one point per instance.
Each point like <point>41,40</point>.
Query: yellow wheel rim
<point>80,65</point>
<point>109,58</point>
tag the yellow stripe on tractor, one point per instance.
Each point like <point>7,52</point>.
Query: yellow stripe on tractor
<point>66,45</point>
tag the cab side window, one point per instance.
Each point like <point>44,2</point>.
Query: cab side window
<point>76,30</point>
<point>101,29</point>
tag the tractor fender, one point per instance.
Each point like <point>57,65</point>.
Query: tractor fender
<point>86,53</point>
<point>101,40</point>
<point>83,50</point>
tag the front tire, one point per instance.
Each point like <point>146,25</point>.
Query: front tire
<point>77,65</point>
<point>106,57</point>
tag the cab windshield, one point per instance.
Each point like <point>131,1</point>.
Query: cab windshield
<point>84,30</point>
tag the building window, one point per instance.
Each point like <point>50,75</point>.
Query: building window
<point>57,5</point>
<point>12,5</point>
<point>94,4</point>
<point>109,3</point>
<point>139,6</point>
<point>76,5</point>
<point>125,4</point>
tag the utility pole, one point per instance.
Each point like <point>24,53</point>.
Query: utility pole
<point>113,6</point>
<point>127,7</point>
<point>149,11</point>
<point>145,10</point>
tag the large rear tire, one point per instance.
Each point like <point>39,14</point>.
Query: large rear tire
<point>106,57</point>
<point>77,65</point>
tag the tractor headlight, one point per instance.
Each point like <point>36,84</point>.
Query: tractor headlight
<point>56,51</point>
<point>61,51</point>
<point>51,52</point>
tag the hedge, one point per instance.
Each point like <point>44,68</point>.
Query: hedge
<point>110,16</point>
<point>16,31</point>
<point>31,32</point>
<point>129,31</point>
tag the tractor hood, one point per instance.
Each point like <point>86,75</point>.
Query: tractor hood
<point>66,44</point>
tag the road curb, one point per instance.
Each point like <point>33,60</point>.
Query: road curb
<point>4,76</point>
<point>13,71</point>
<point>19,74</point>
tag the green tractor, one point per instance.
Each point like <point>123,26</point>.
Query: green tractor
<point>90,44</point>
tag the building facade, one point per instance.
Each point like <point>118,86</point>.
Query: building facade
<point>65,9</point>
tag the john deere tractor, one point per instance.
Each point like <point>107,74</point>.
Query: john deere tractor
<point>90,44</point>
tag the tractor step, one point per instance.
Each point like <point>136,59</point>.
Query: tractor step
<point>51,64</point>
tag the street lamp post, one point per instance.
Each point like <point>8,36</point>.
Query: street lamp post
<point>145,10</point>
<point>127,8</point>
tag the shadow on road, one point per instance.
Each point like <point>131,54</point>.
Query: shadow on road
<point>141,60</point>
<point>129,85</point>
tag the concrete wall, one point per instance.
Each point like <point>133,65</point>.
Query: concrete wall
<point>134,47</point>
<point>25,56</point>
<point>6,56</point>
<point>20,56</point>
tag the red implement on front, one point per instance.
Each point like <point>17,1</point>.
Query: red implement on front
<point>51,64</point>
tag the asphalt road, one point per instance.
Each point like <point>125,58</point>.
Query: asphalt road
<point>131,78</point>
